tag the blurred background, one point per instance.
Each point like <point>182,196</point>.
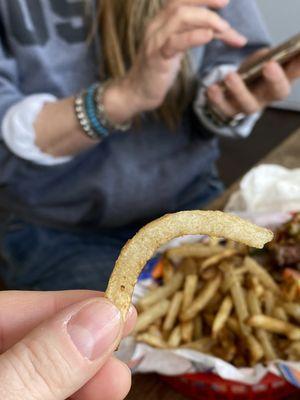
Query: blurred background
<point>282,18</point>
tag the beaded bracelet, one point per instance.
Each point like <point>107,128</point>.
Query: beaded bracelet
<point>91,111</point>
<point>102,116</point>
<point>91,114</point>
<point>83,118</point>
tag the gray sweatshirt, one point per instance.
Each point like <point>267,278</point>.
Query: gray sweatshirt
<point>128,177</point>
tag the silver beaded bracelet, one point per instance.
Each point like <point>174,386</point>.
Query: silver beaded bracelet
<point>82,117</point>
<point>102,115</point>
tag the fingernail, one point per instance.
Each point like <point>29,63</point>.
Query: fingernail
<point>95,329</point>
<point>131,312</point>
<point>243,40</point>
<point>231,78</point>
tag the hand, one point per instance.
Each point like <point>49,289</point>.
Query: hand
<point>179,26</point>
<point>275,86</point>
<point>57,345</point>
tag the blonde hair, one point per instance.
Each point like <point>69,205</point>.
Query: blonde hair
<point>122,25</point>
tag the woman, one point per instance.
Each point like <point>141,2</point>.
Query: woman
<point>76,182</point>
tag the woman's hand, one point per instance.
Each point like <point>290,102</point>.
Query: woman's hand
<point>275,86</point>
<point>181,25</point>
<point>56,346</point>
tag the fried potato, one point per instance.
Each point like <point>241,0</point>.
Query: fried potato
<point>269,301</point>
<point>255,349</point>
<point>263,336</point>
<point>152,340</point>
<point>175,337</point>
<point>190,287</point>
<point>162,292</point>
<point>203,345</point>
<point>146,318</point>
<point>197,250</point>
<point>238,297</point>
<point>187,330</point>
<point>262,274</point>
<point>222,316</point>
<point>198,328</point>
<point>275,326</point>
<point>280,313</point>
<point>188,266</point>
<point>168,270</point>
<point>216,259</point>
<point>173,311</point>
<point>154,331</point>
<point>293,309</point>
<point>206,294</point>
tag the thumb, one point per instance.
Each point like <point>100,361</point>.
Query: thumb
<point>60,356</point>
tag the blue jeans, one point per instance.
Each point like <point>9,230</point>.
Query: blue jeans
<point>39,258</point>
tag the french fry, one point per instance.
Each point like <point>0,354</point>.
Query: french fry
<point>203,345</point>
<point>200,302</point>
<point>262,274</point>
<point>216,259</point>
<point>255,349</point>
<point>234,326</point>
<point>209,319</point>
<point>187,330</point>
<point>188,266</point>
<point>222,316</point>
<point>293,310</point>
<point>238,297</point>
<point>269,301</point>
<point>155,331</point>
<point>175,337</point>
<point>262,335</point>
<point>189,290</point>
<point>162,292</point>
<point>227,353</point>
<point>197,250</point>
<point>209,274</point>
<point>173,312</point>
<point>151,340</point>
<point>294,348</point>
<point>168,270</point>
<point>198,327</point>
<point>239,361</point>
<point>215,303</point>
<point>146,318</point>
<point>158,322</point>
<point>275,325</point>
<point>280,313</point>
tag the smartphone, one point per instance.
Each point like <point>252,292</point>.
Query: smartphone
<point>283,54</point>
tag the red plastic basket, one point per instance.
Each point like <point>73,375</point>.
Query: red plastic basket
<point>209,386</point>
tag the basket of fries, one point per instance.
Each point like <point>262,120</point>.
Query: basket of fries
<point>217,304</point>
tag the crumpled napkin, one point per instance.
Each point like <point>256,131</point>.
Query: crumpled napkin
<point>267,188</point>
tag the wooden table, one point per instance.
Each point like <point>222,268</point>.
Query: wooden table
<point>149,387</point>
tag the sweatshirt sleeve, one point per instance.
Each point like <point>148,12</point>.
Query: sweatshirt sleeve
<point>18,112</point>
<point>9,78</point>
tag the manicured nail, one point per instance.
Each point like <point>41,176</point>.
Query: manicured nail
<point>95,329</point>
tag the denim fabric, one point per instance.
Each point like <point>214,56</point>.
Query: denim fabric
<point>41,258</point>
